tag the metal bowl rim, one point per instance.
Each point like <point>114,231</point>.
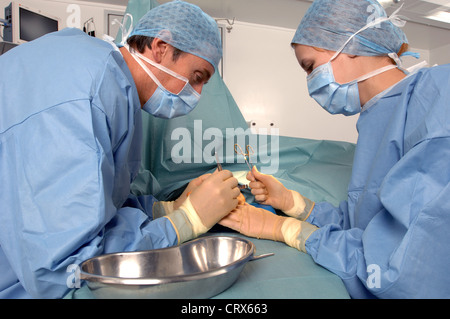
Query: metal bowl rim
<point>171,279</point>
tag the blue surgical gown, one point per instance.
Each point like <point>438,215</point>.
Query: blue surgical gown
<point>70,145</point>
<point>391,238</point>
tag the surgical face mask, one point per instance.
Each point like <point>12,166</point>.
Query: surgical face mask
<point>344,98</point>
<point>334,97</point>
<point>163,103</point>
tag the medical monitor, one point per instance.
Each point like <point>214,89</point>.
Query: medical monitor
<point>27,23</point>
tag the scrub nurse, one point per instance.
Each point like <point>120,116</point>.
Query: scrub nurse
<point>70,146</point>
<point>396,217</point>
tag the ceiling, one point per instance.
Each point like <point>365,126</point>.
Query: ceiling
<point>420,10</point>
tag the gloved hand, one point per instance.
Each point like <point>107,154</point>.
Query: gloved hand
<point>208,200</point>
<point>216,197</point>
<point>262,224</point>
<point>269,191</point>
<point>164,208</point>
<point>254,222</point>
<point>189,189</point>
<point>241,199</point>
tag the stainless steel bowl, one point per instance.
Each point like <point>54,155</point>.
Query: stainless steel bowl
<point>200,268</point>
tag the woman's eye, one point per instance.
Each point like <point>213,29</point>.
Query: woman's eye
<point>308,66</point>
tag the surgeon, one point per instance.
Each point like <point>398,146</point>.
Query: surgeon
<point>390,238</point>
<point>70,145</point>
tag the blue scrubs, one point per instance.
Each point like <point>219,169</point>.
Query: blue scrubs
<point>390,239</point>
<point>70,145</point>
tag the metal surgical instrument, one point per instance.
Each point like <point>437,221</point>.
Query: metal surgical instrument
<point>249,150</point>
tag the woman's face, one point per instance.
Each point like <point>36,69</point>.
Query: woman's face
<point>346,68</point>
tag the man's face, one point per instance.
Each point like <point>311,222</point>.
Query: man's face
<point>197,70</point>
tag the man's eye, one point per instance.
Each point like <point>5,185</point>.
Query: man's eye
<point>197,78</point>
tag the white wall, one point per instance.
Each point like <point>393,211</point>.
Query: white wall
<point>440,55</point>
<point>264,77</point>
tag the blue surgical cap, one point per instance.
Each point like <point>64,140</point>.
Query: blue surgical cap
<point>329,23</point>
<point>184,26</point>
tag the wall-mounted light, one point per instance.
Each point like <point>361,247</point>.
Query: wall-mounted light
<point>441,16</point>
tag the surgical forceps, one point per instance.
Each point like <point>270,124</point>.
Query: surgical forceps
<point>219,168</point>
<point>249,150</point>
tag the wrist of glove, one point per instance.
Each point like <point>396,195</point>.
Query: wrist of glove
<point>296,232</point>
<point>302,206</point>
<point>187,222</point>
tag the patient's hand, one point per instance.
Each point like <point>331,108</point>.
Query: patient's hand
<point>269,191</point>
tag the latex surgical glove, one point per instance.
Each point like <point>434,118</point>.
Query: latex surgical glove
<point>254,222</point>
<point>189,189</point>
<point>241,199</point>
<point>208,203</point>
<point>187,222</point>
<point>216,197</point>
<point>262,224</point>
<point>296,232</point>
<point>164,208</point>
<point>270,191</point>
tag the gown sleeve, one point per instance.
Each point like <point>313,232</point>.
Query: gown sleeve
<point>325,213</point>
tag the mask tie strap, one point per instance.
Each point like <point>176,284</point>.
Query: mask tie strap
<point>147,70</point>
<point>136,56</point>
<point>161,67</point>
<point>125,32</point>
<point>376,72</point>
<point>167,70</point>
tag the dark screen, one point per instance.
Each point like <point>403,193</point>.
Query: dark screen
<point>33,25</point>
